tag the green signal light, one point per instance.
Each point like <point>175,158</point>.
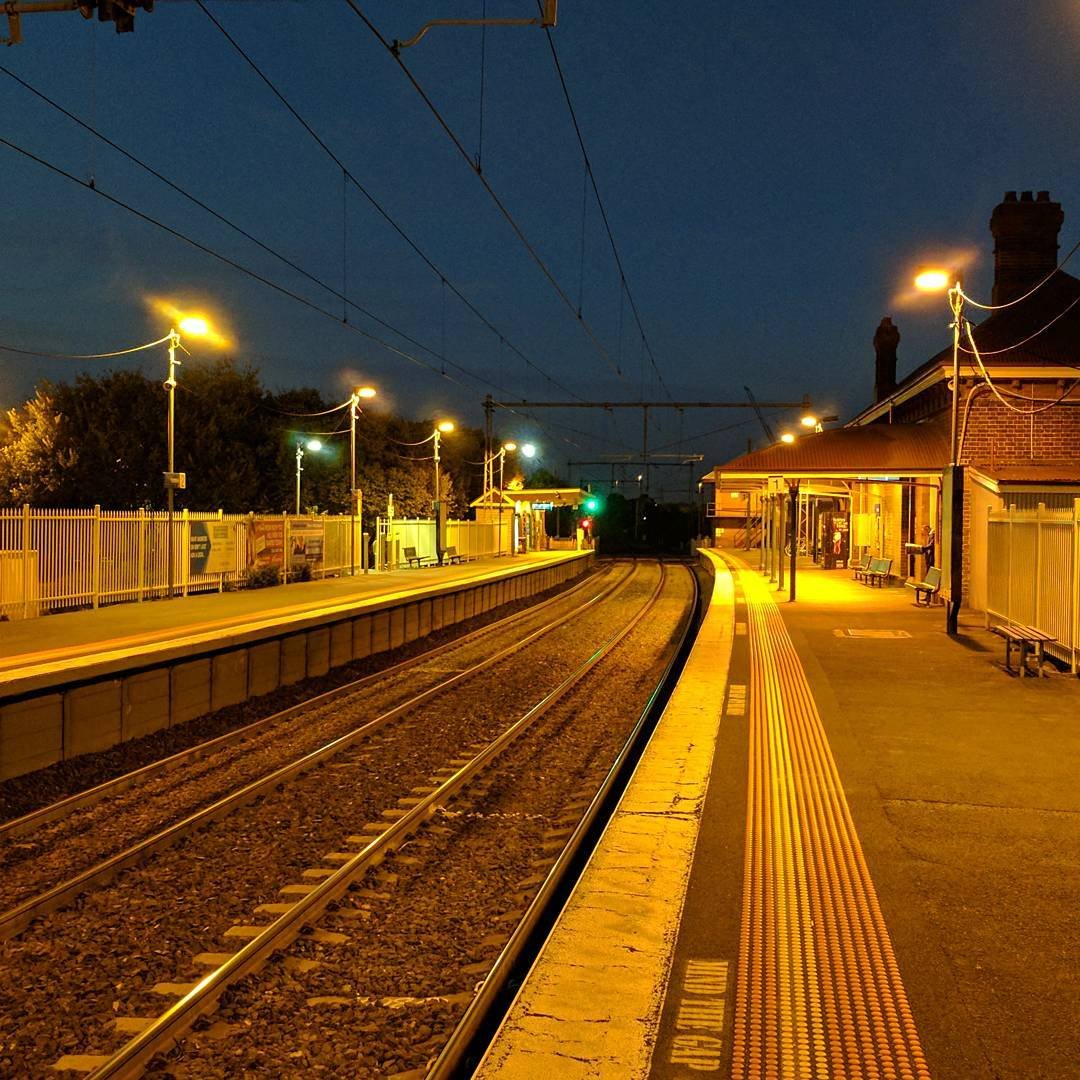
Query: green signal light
<point>592,504</point>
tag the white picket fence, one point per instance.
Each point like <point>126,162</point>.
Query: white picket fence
<point>1033,573</point>
<point>56,560</point>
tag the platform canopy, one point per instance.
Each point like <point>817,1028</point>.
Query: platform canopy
<point>536,498</point>
<point>873,452</point>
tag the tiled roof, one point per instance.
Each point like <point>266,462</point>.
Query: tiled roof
<point>875,448</point>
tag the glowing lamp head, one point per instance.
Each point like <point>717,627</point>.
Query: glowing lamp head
<point>314,444</point>
<point>933,280</point>
<point>366,391</point>
<point>195,326</point>
<point>787,437</point>
<point>509,447</point>
<point>809,421</point>
<point>528,450</point>
<point>446,426</point>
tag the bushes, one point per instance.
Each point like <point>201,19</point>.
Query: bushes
<point>260,579</point>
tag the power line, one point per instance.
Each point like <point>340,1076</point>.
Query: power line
<point>86,356</point>
<point>598,345</point>
<point>243,232</point>
<point>377,206</point>
<point>241,268</point>
<point>624,285</point>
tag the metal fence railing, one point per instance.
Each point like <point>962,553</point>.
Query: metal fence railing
<point>63,560</point>
<point>1033,573</point>
<point>57,560</point>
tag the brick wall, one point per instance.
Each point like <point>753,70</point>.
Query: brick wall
<point>995,435</point>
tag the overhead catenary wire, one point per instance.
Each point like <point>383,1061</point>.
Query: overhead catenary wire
<point>97,190</point>
<point>624,284</point>
<point>92,186</point>
<point>241,231</point>
<point>375,204</point>
<point>503,209</point>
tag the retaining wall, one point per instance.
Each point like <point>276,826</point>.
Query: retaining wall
<point>50,723</point>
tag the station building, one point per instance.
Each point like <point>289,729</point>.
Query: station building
<point>875,486</point>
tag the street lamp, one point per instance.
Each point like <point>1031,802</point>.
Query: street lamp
<point>365,393</point>
<point>194,327</point>
<point>442,428</point>
<point>787,438</point>
<point>527,450</point>
<point>314,445</point>
<point>936,280</point>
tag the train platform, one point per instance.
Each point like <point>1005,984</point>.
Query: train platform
<point>851,849</point>
<point>87,681</point>
<point>69,641</point>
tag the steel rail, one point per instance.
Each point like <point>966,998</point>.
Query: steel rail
<point>19,917</point>
<point>470,1037</point>
<point>132,1059</point>
<point>62,808</point>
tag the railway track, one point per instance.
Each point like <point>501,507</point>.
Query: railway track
<point>349,882</point>
<point>118,823</point>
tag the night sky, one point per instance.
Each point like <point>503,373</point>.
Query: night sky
<point>772,174</point>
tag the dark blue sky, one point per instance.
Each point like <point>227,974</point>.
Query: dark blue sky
<point>772,173</point>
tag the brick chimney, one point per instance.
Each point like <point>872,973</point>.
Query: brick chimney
<point>1025,242</point>
<point>886,338</point>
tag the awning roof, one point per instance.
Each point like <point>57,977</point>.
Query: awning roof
<point>873,450</point>
<point>555,496</point>
<point>1053,472</point>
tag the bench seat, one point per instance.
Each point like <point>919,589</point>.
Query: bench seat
<point>926,590</point>
<point>1024,637</point>
<point>877,573</point>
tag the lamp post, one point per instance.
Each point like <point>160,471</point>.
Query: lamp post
<point>314,445</point>
<point>934,280</point>
<point>527,450</point>
<point>196,327</point>
<point>443,428</point>
<point>365,392</point>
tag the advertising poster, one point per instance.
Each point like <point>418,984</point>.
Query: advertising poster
<point>212,547</point>
<point>266,543</point>
<point>305,543</point>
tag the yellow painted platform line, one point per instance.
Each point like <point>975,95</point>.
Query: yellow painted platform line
<point>818,992</point>
<point>590,1007</point>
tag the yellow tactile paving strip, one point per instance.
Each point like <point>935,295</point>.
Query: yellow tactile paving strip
<point>818,992</point>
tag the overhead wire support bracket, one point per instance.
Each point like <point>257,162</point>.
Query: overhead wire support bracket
<point>546,20</point>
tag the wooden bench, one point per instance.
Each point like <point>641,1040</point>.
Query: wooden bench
<point>878,572</point>
<point>412,559</point>
<point>1024,637</point>
<point>450,555</point>
<point>928,588</point>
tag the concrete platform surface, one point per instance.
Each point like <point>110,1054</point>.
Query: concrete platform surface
<point>958,783</point>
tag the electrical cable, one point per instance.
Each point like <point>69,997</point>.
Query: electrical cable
<point>511,221</point>
<point>1034,289</point>
<point>86,356</point>
<point>600,205</point>
<point>249,272</point>
<point>243,232</point>
<point>377,206</point>
<point>989,382</point>
<point>1009,348</point>
<point>325,412</point>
